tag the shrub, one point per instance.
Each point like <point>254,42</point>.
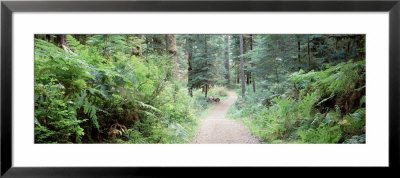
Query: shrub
<point>218,92</point>
<point>323,134</point>
<point>55,119</point>
<point>314,111</point>
<point>80,93</point>
<point>354,124</point>
<point>357,139</point>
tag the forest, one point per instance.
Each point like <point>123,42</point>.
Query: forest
<point>200,88</point>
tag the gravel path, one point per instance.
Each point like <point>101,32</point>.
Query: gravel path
<point>217,129</point>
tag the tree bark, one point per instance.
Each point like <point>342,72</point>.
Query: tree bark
<point>242,66</point>
<point>62,43</point>
<point>170,42</point>
<point>237,74</point>
<point>206,90</point>
<point>190,60</point>
<point>166,43</point>
<point>298,52</point>
<point>348,47</point>
<point>48,38</point>
<point>205,57</point>
<point>246,45</point>
<point>248,77</point>
<point>227,76</point>
<point>254,84</point>
<point>276,65</point>
<point>308,52</point>
<point>156,44</point>
<point>62,40</point>
<point>252,65</point>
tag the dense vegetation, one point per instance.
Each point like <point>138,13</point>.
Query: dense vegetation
<point>154,88</point>
<point>309,92</point>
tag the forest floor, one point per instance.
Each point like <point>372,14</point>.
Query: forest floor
<point>216,128</point>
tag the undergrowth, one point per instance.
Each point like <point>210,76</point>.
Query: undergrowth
<point>326,106</point>
<point>81,96</point>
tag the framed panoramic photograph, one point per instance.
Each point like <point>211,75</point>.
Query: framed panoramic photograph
<point>114,88</point>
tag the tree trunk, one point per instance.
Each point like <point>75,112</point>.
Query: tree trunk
<point>62,40</point>
<point>252,65</point>
<point>147,42</point>
<point>170,42</point>
<point>298,53</point>
<point>348,47</point>
<point>246,44</point>
<point>135,50</point>
<point>248,77</point>
<point>227,76</point>
<point>190,59</point>
<point>105,54</point>
<point>205,57</point>
<point>308,52</point>
<point>48,38</point>
<point>156,44</point>
<point>242,65</point>
<point>254,85</point>
<point>191,92</point>
<point>237,74</point>
<point>276,65</point>
<point>166,43</point>
<point>206,90</point>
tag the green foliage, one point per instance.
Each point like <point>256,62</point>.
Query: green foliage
<point>55,119</point>
<point>306,114</point>
<point>204,65</point>
<point>322,134</point>
<point>219,92</point>
<point>131,89</point>
<point>335,81</point>
<point>354,123</point>
<point>82,91</point>
<point>356,139</point>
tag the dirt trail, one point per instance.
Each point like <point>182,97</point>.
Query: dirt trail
<point>217,129</point>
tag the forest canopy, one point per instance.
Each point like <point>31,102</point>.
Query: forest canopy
<point>157,88</point>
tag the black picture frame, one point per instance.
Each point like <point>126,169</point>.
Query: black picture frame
<point>8,7</point>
